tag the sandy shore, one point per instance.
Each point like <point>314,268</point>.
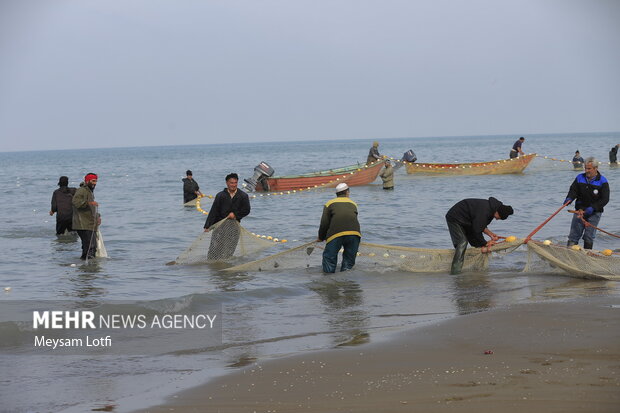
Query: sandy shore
<point>546,357</point>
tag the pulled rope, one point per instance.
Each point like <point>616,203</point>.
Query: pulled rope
<point>529,237</point>
<point>587,224</point>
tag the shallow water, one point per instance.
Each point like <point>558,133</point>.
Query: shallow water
<point>267,314</point>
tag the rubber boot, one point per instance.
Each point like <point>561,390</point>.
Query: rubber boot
<point>570,244</point>
<point>587,245</point>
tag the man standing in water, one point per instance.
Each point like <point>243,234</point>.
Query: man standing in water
<point>86,219</point>
<point>387,176</point>
<point>613,155</point>
<point>232,204</point>
<point>191,190</point>
<point>516,148</point>
<point>468,220</point>
<point>62,207</point>
<point>591,191</point>
<point>341,229</point>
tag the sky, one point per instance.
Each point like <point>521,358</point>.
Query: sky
<point>114,73</point>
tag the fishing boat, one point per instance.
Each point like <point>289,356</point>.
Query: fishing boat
<point>353,175</point>
<point>502,166</point>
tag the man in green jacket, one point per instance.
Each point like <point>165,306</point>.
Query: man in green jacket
<point>387,176</point>
<point>85,216</point>
<point>341,229</point>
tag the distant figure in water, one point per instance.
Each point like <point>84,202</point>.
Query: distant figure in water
<point>387,176</point>
<point>577,160</point>
<point>191,190</point>
<point>61,206</point>
<point>468,220</point>
<point>516,148</point>
<point>373,154</point>
<point>613,155</point>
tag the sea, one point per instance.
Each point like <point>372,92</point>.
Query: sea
<point>268,314</point>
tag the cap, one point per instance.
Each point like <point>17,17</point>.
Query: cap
<point>504,211</point>
<point>341,187</point>
<point>89,177</point>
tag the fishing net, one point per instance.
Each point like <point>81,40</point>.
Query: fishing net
<point>579,263</point>
<point>225,240</point>
<point>101,252</point>
<point>378,257</point>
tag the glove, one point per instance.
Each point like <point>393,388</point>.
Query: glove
<point>588,211</point>
<point>569,200</point>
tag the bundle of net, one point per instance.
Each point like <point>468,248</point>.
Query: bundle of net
<point>378,257</point>
<point>579,263</point>
<point>224,241</point>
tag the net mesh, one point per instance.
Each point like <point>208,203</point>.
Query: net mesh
<point>101,252</point>
<point>225,240</point>
<point>579,263</point>
<point>377,257</point>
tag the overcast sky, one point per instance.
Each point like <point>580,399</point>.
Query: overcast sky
<point>107,73</point>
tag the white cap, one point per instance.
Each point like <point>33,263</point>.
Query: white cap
<point>341,187</point>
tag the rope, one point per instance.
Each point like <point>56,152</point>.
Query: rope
<point>587,224</point>
<point>545,222</point>
<point>566,160</point>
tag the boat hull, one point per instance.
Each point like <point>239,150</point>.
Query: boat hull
<point>353,175</point>
<point>503,166</point>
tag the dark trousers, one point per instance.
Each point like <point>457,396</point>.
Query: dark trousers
<point>224,241</point>
<point>350,243</point>
<point>63,225</point>
<point>89,243</point>
<point>459,240</point>
<point>514,154</point>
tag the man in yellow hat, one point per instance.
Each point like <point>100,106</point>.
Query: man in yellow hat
<point>341,229</point>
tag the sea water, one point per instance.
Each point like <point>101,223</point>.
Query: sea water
<point>267,314</point>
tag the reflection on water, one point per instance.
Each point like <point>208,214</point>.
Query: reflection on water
<point>472,292</point>
<point>575,288</point>
<point>346,316</point>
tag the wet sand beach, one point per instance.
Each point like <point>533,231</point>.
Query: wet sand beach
<point>560,356</point>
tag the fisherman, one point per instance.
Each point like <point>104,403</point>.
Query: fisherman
<point>191,190</point>
<point>387,176</point>
<point>613,154</point>
<point>86,219</point>
<point>230,203</point>
<point>591,192</point>
<point>577,160</point>
<point>468,220</point>
<point>62,207</point>
<point>373,154</point>
<point>516,148</point>
<point>341,229</point>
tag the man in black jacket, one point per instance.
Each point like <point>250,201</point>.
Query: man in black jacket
<point>191,190</point>
<point>613,154</point>
<point>233,204</point>
<point>591,192</point>
<point>468,220</point>
<point>62,207</point>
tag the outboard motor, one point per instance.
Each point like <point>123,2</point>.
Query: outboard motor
<point>409,156</point>
<point>262,171</point>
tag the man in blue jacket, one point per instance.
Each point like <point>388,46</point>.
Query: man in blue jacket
<point>590,190</point>
<point>468,221</point>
